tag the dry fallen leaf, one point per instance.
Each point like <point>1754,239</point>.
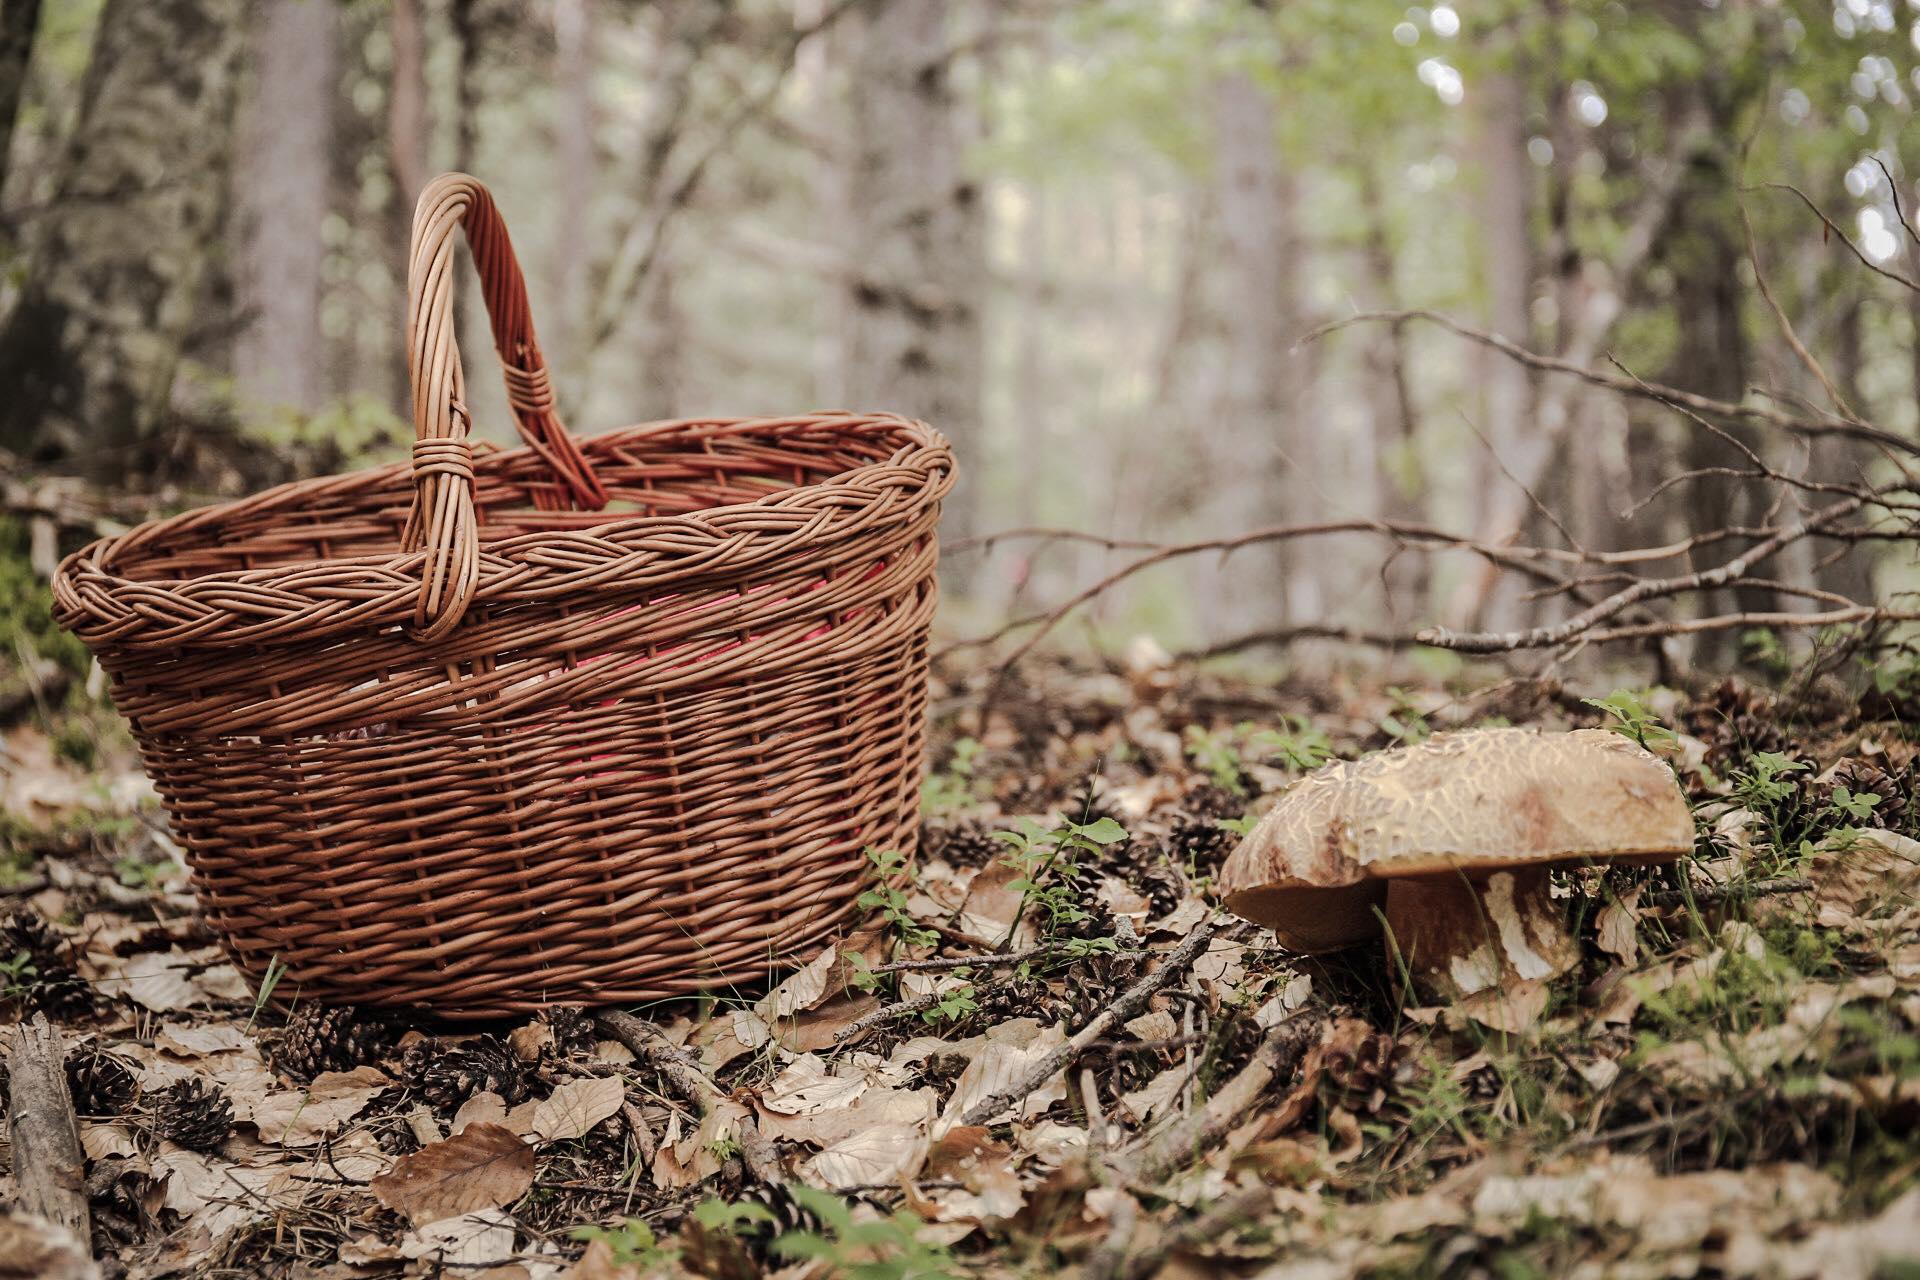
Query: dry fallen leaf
<point>482,1167</point>
<point>576,1107</point>
<point>300,1118</point>
<point>802,990</point>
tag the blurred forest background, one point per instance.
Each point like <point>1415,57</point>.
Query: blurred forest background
<point>1092,240</point>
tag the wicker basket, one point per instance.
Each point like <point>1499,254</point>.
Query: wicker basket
<point>451,735</point>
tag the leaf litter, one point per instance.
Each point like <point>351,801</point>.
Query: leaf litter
<point>1728,1082</point>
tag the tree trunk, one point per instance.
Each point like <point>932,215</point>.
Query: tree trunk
<point>1255,432</point>
<point>575,61</point>
<point>283,193</point>
<point>914,226</point>
<point>1399,476</point>
<point>1712,359</point>
<point>90,351</point>
<point>18,21</point>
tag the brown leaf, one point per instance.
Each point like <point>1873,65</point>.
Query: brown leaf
<point>483,1167</point>
<point>577,1107</point>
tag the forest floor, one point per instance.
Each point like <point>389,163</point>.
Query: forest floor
<point>1728,1084</point>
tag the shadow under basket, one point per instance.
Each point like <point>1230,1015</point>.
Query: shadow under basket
<point>584,722</point>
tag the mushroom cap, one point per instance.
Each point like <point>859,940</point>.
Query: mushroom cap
<point>1473,803</point>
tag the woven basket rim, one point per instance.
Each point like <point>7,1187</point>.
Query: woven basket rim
<point>85,579</point>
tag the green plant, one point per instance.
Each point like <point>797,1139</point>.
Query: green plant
<point>887,1248</point>
<point>632,1244</point>
<point>1631,717</point>
<point>1760,647</point>
<point>1299,744</point>
<point>137,873</point>
<point>953,787</point>
<point>1404,721</point>
<point>1767,787</point>
<point>886,897</point>
<point>1044,859</point>
<point>952,1005</point>
<point>724,1216</point>
<point>19,975</point>
<point>1218,755</point>
<point>1239,826</point>
<point>276,970</point>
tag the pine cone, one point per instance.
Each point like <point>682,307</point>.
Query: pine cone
<point>1899,806</point>
<point>447,1076</point>
<point>572,1028</point>
<point>968,843</point>
<point>318,1038</point>
<point>102,1084</point>
<point>1200,842</point>
<point>1735,720</point>
<point>1015,998</point>
<point>45,981</point>
<point>194,1114</point>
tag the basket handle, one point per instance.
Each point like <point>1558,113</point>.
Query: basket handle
<point>442,519</point>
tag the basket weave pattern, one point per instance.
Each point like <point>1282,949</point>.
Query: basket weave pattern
<point>442,734</point>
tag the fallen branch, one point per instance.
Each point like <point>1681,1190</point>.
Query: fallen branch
<point>1237,1210</point>
<point>992,961</point>
<point>1131,1002</point>
<point>677,1066</point>
<point>1646,589</point>
<point>1728,892</point>
<point>1175,1146</point>
<point>1800,425</point>
<point>49,1167</point>
<point>887,1013</point>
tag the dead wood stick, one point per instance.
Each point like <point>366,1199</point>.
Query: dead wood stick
<point>993,961</point>
<point>1180,1142</point>
<point>1238,1209</point>
<point>1130,1003</point>
<point>49,1168</point>
<point>680,1068</point>
<point>1720,893</point>
<point>887,1013</point>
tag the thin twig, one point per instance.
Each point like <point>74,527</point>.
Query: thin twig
<point>1130,1003</point>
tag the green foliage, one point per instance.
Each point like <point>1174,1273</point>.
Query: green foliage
<point>1761,648</point>
<point>954,787</point>
<point>952,1005</point>
<point>1405,722</point>
<point>890,865</point>
<point>1631,717</point>
<point>632,1244</point>
<point>1299,744</point>
<point>887,1248</point>
<point>26,607</point>
<point>1223,754</point>
<point>1218,754</point>
<point>276,970</point>
<point>19,976</point>
<point>722,1216</point>
<point>1044,859</point>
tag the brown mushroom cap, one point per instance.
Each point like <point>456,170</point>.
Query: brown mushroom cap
<point>1473,803</point>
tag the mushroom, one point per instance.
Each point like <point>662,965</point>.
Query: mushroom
<point>1451,841</point>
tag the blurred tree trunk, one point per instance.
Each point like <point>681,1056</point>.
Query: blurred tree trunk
<point>283,196</point>
<point>1256,429</point>
<point>89,353</point>
<point>914,235</point>
<point>574,36</point>
<point>19,19</point>
<point>1507,262</point>
<point>1835,459</point>
<point>407,132</point>
<point>1705,259</point>
<point>1400,479</point>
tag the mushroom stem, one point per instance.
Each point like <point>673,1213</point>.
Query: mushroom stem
<point>1461,935</point>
